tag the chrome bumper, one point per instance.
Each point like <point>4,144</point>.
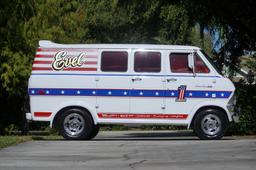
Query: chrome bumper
<point>29,116</point>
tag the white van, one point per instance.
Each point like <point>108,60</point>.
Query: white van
<point>77,87</point>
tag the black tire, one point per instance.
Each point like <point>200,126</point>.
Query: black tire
<point>77,119</point>
<point>95,131</point>
<point>210,124</point>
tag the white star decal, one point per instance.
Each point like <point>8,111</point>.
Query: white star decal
<point>109,93</point>
<point>157,93</point>
<point>125,93</point>
<point>190,94</point>
<point>206,94</point>
<point>222,94</point>
<point>62,92</point>
<point>32,91</point>
<point>172,94</point>
<point>93,92</point>
<point>141,93</point>
<point>78,92</point>
<point>47,92</point>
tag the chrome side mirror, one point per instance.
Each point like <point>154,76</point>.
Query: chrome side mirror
<point>191,63</point>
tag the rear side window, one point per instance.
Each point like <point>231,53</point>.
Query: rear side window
<point>146,61</point>
<point>114,61</point>
<point>179,64</point>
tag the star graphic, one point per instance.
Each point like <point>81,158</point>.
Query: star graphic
<point>62,92</point>
<point>190,94</point>
<point>78,92</point>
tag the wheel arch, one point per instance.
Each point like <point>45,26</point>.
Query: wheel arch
<point>63,107</point>
<point>218,106</point>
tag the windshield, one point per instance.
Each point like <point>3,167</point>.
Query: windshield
<point>213,63</point>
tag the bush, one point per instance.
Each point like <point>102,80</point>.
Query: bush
<point>246,102</point>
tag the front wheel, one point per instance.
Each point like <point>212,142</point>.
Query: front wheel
<point>210,124</point>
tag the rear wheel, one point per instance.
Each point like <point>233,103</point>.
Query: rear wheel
<point>76,124</point>
<point>210,124</point>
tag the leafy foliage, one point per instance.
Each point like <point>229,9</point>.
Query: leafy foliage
<point>246,99</point>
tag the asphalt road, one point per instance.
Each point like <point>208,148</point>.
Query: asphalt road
<point>133,150</point>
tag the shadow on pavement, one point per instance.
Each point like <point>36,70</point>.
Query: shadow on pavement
<point>151,136</point>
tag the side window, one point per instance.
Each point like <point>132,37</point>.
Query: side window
<point>200,66</point>
<point>179,64</point>
<point>114,61</point>
<point>146,61</point>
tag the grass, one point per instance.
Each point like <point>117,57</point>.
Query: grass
<point>6,141</point>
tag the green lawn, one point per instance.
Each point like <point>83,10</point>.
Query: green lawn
<point>6,141</point>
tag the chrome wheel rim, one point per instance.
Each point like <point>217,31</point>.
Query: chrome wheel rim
<point>211,124</point>
<point>74,124</point>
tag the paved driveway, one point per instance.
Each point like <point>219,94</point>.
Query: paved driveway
<point>133,150</point>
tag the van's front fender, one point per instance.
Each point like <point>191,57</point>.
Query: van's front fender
<point>218,104</point>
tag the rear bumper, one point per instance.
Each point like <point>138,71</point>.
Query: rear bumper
<point>29,116</point>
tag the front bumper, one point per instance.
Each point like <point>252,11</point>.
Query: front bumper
<point>236,114</point>
<point>233,110</point>
<point>235,117</point>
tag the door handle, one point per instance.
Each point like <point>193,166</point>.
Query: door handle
<point>136,79</point>
<point>171,79</point>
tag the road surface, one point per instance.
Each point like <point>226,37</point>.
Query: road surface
<point>132,150</point>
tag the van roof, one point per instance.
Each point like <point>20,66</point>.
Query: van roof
<point>50,44</point>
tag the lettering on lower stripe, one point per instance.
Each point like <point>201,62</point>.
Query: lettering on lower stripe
<point>141,116</point>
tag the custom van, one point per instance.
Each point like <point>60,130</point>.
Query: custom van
<point>76,87</point>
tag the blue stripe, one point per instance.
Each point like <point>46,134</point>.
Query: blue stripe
<point>128,93</point>
<point>123,75</point>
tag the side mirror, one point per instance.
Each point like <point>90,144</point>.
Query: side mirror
<point>191,62</point>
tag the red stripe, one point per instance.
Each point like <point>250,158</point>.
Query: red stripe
<point>91,62</point>
<point>42,62</point>
<point>80,69</point>
<point>52,55</point>
<point>41,68</point>
<point>91,56</point>
<point>182,94</point>
<point>67,69</point>
<point>141,116</point>
<point>42,114</point>
<point>44,56</point>
<point>66,49</point>
<point>50,62</point>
